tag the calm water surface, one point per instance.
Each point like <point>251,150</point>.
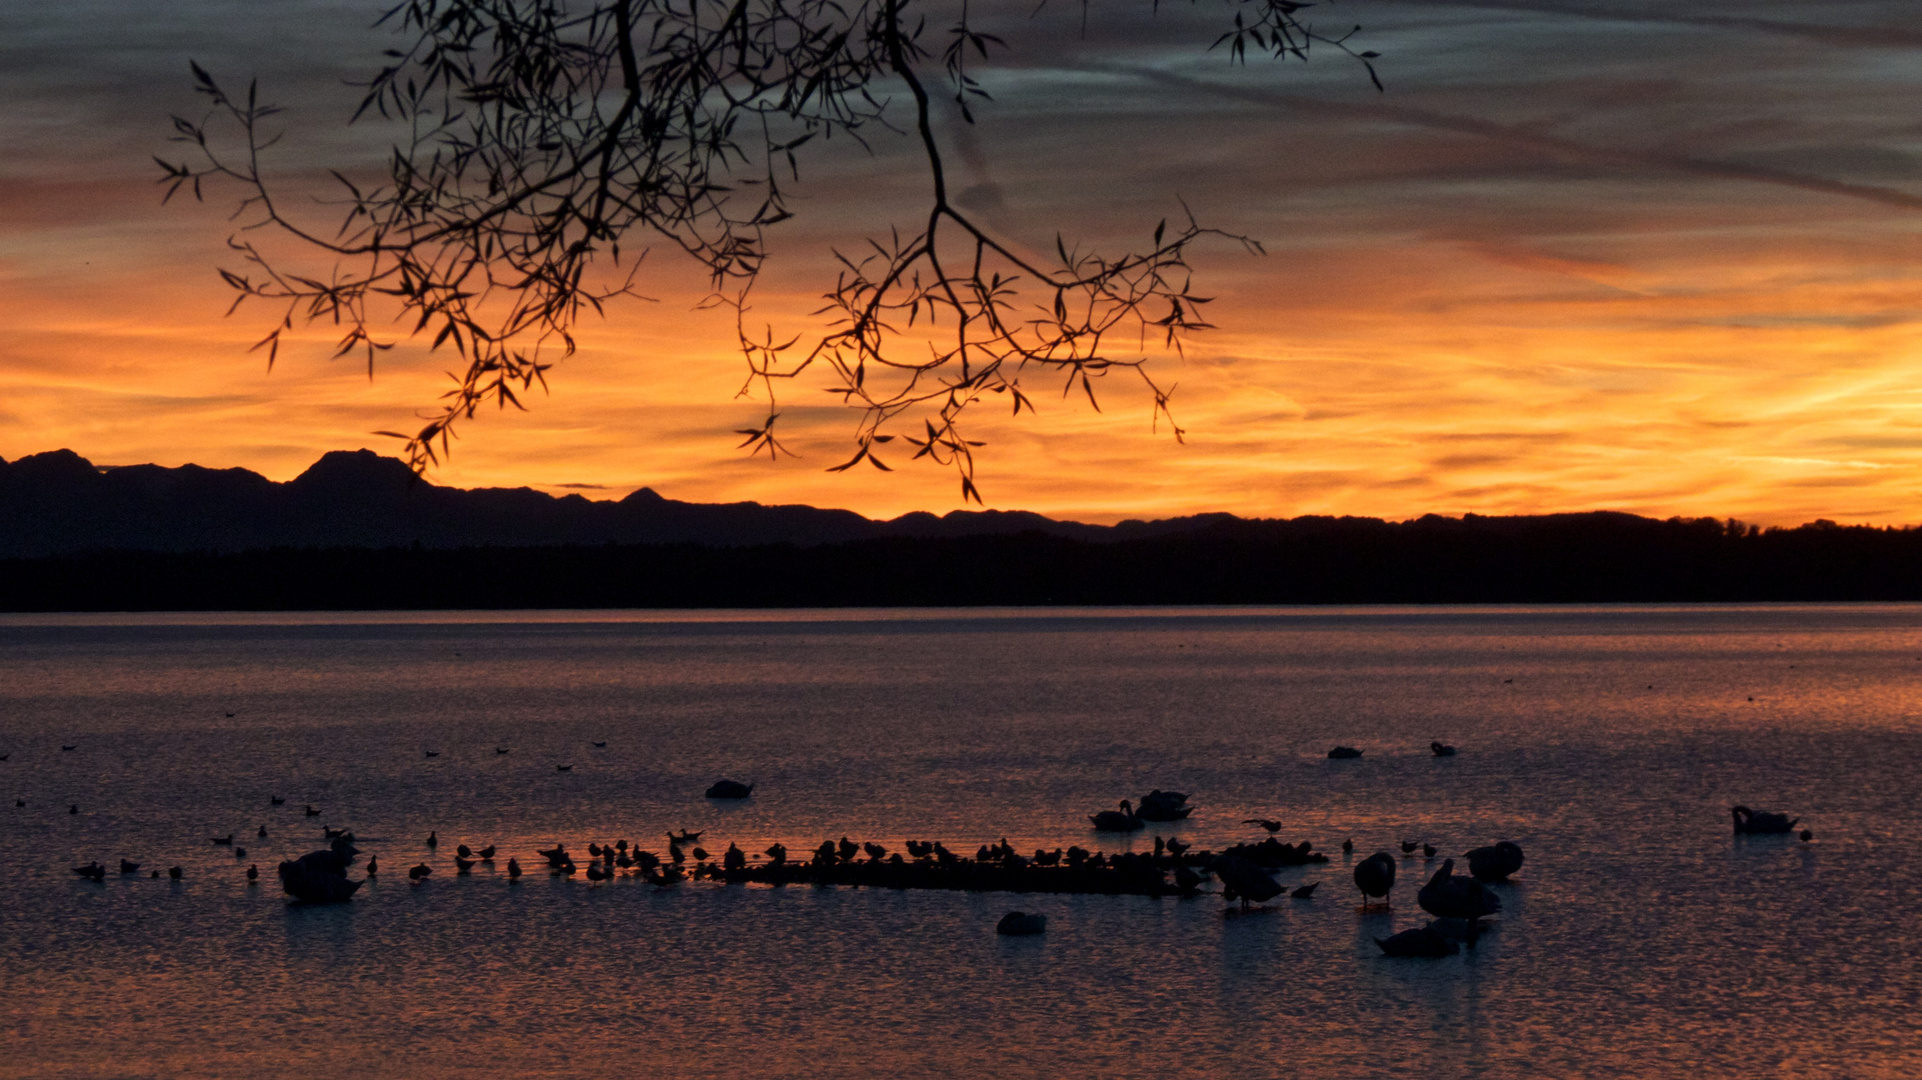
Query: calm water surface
<point>1641,939</point>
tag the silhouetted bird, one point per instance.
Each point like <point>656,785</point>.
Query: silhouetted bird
<point>1375,877</point>
<point>1307,891</point>
<point>601,744</point>
<point>311,812</point>
<point>463,866</point>
<point>1269,824</point>
<point>73,809</point>
<point>276,800</point>
<point>433,839</point>
<point>685,837</point>
<point>700,854</point>
<point>563,768</point>
<point>513,869</point>
<point>253,873</point>
<point>729,789</point>
<point>500,749</point>
<point>5,756</point>
<point>847,850</point>
<point>225,841</point>
<point>240,853</point>
<point>1408,846</point>
<point>1442,749</point>
<point>1178,847</point>
<point>129,867</point>
<point>92,871</point>
<point>875,851</point>
<point>1243,880</point>
<point>777,853</point>
<point>419,871</point>
<point>433,753</point>
<point>1021,924</point>
<point>1122,820</point>
<point>1807,835</point>
<point>65,747</point>
<point>596,874</point>
<point>487,853</point>
<point>262,833</point>
<point>1428,851</point>
<point>19,802</point>
<point>373,865</point>
<point>1449,897</point>
<point>1159,805</point>
<point>464,851</point>
<point>1760,822</point>
<point>1495,862</point>
<point>1347,847</point>
<point>1421,942</point>
<point>734,858</point>
<point>1344,753</point>
<point>173,872</point>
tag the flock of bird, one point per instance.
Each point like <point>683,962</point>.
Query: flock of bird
<point>1245,872</point>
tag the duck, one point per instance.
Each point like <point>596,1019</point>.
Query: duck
<point>1761,823</point>
<point>1441,749</point>
<point>1449,897</point>
<point>1375,877</point>
<point>1122,820</point>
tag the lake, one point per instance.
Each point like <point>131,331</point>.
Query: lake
<point>1641,939</point>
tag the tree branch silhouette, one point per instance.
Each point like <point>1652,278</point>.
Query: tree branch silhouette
<point>542,134</point>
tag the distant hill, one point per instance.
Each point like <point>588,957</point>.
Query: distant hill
<point>358,531</point>
<point>59,503</point>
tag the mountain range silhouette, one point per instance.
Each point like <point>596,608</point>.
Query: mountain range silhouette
<point>59,503</point>
<point>360,531</point>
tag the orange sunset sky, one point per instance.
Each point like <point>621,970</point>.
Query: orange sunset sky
<point>1639,255</point>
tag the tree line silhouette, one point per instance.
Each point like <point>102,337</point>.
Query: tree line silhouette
<point>1563,558</point>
